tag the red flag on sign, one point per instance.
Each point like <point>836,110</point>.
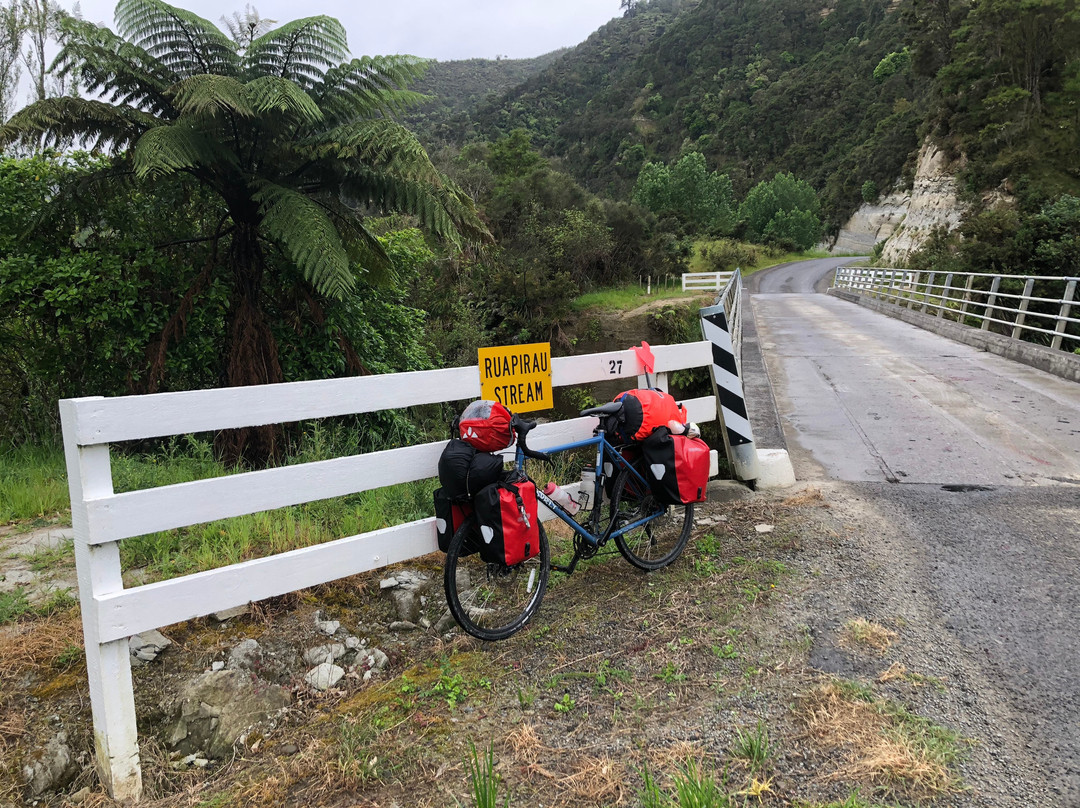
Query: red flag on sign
<point>645,356</point>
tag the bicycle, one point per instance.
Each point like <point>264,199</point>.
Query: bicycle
<point>492,601</point>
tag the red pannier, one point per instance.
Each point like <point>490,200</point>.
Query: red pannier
<point>677,467</point>
<point>485,425</point>
<point>642,412</point>
<point>509,523</point>
<point>450,514</point>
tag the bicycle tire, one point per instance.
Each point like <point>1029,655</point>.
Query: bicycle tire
<point>657,543</point>
<point>492,601</point>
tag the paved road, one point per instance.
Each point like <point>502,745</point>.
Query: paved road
<point>971,465</point>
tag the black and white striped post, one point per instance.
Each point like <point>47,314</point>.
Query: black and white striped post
<point>727,385</point>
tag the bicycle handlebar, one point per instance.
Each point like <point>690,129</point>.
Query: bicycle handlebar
<point>523,428</point>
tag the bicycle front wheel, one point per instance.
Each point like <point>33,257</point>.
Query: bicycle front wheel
<point>492,601</point>
<point>659,541</point>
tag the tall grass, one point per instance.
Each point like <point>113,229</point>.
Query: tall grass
<point>33,483</point>
<point>625,298</point>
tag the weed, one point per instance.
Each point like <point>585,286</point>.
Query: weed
<point>757,788</point>
<point>452,687</point>
<point>526,698</point>
<point>725,651</point>
<point>48,557</point>
<point>607,673</point>
<point>709,544</point>
<point>693,787</point>
<point>566,704</point>
<point>671,673</point>
<point>651,795</point>
<point>354,760</point>
<point>60,600</point>
<point>753,746</point>
<point>484,779</point>
<point>70,655</point>
<point>13,605</point>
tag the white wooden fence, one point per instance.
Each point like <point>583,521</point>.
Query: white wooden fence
<point>978,299</point>
<point>705,280</point>
<point>101,518</point>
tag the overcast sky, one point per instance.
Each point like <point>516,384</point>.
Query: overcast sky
<point>459,29</point>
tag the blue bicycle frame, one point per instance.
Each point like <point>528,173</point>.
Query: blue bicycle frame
<point>603,447</point>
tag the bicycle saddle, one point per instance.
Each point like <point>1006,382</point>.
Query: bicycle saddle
<point>604,409</point>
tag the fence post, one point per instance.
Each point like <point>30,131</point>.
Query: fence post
<point>913,289</point>
<point>967,297</point>
<point>929,289</point>
<point>945,297</point>
<point>1066,307</point>
<point>990,301</point>
<point>1021,314</point>
<point>108,665</point>
<point>727,385</point>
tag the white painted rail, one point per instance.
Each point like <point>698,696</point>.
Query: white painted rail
<point>707,281</point>
<point>101,518</point>
<point>1032,308</point>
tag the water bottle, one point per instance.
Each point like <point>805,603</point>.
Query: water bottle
<point>561,498</point>
<point>587,487</point>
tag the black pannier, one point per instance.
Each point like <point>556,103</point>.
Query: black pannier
<point>463,471</point>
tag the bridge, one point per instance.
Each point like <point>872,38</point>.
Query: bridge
<point>956,474</point>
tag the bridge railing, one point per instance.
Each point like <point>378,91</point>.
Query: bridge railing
<point>1032,308</point>
<point>707,281</point>
<point>102,518</point>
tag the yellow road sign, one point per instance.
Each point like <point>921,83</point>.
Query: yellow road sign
<point>518,376</point>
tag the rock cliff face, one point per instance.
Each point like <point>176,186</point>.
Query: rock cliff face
<point>905,219</point>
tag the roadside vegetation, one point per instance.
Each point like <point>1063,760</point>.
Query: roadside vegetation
<point>685,689</point>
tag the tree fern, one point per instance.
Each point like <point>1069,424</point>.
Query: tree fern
<point>297,141</point>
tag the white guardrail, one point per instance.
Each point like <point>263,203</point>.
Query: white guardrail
<point>102,519</point>
<point>705,281</point>
<point>1029,307</point>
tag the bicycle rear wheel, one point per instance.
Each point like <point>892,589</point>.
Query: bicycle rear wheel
<point>492,601</point>
<point>659,541</point>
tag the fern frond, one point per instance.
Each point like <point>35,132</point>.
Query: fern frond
<point>299,51</point>
<point>444,210</point>
<point>168,149</point>
<point>368,86</point>
<point>303,228</point>
<point>67,121</point>
<point>379,143</point>
<point>103,63</point>
<point>184,42</point>
<point>208,94</point>
<point>272,94</point>
<point>364,249</point>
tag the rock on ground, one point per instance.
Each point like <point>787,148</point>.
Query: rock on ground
<point>214,709</point>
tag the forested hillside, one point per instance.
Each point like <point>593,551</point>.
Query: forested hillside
<point>839,93</point>
<point>457,86</point>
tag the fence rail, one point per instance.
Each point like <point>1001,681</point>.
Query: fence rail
<point>102,518</point>
<point>715,281</point>
<point>1025,307</point>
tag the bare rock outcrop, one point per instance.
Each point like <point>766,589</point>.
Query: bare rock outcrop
<point>903,219</point>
